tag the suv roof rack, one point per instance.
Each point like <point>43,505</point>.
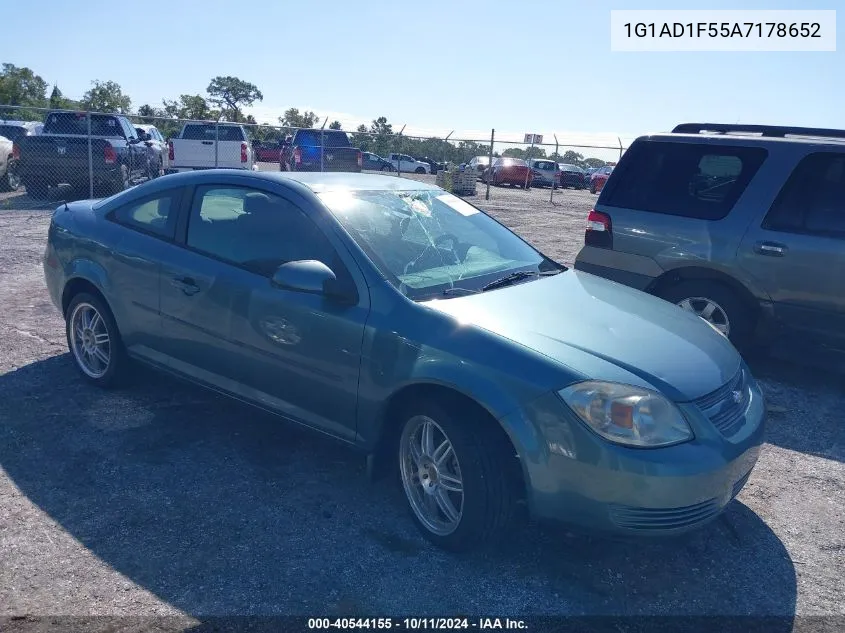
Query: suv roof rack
<point>775,131</point>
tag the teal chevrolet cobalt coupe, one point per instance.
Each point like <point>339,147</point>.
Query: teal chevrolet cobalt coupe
<point>404,321</point>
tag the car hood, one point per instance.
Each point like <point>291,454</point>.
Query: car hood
<point>602,330</point>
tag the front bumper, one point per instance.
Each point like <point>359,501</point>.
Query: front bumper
<point>575,477</point>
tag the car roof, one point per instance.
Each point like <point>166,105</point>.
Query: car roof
<point>741,138</point>
<point>317,182</point>
<point>27,124</point>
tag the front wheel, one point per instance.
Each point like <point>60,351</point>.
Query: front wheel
<point>387,168</point>
<point>455,476</point>
<point>94,341</point>
<point>419,170</point>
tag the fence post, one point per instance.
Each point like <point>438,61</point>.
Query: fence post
<point>446,149</point>
<point>217,140</point>
<point>528,173</point>
<point>90,160</point>
<point>620,147</point>
<point>399,160</point>
<point>554,180</point>
<point>492,140</point>
<point>323,142</point>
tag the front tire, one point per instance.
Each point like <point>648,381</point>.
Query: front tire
<point>10,180</point>
<point>94,341</point>
<point>419,170</point>
<point>456,476</point>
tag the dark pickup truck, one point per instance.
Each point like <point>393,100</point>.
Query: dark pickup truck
<point>60,155</point>
<point>321,150</point>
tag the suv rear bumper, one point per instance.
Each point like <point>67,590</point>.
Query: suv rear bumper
<point>628,269</point>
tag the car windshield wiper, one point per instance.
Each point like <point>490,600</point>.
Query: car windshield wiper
<point>458,290</point>
<point>519,275</point>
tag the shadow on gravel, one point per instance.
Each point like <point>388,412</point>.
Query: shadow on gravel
<point>808,387</point>
<point>219,510</point>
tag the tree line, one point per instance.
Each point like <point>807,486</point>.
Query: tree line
<point>225,99</point>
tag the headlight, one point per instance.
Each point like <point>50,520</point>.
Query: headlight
<point>627,415</point>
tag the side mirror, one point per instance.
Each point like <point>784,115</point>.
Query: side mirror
<point>134,141</point>
<point>312,277</point>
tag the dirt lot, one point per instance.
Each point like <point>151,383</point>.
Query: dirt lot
<point>165,499</point>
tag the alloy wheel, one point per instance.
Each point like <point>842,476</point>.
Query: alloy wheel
<point>708,310</point>
<point>89,340</point>
<point>431,475</point>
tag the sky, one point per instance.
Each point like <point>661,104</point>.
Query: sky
<point>539,66</point>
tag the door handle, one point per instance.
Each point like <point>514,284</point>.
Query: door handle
<point>186,285</point>
<point>772,249</point>
<point>208,142</point>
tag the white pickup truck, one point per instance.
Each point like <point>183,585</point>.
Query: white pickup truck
<point>210,145</point>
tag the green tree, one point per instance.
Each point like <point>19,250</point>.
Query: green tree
<point>334,125</point>
<point>293,118</point>
<point>194,107</point>
<point>571,157</point>
<point>59,102</point>
<point>231,94</point>
<point>594,162</point>
<point>20,86</point>
<point>514,152</point>
<point>106,96</point>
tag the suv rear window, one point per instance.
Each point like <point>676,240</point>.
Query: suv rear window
<point>701,181</point>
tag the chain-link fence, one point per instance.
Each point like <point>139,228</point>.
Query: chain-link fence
<point>50,155</point>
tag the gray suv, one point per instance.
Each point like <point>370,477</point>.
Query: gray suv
<point>742,224</point>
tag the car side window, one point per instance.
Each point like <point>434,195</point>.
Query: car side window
<point>813,198</point>
<point>255,230</point>
<point>155,215</point>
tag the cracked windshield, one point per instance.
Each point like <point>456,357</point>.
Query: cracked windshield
<point>430,243</point>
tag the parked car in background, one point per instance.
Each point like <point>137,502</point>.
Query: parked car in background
<point>405,322</point>
<point>269,151</point>
<point>154,139</point>
<point>210,145</point>
<point>14,130</point>
<point>478,164</point>
<point>59,155</point>
<point>545,172</point>
<point>9,180</point>
<point>408,164</point>
<point>599,178</point>
<point>322,150</point>
<point>433,165</point>
<point>373,162</point>
<point>746,231</point>
<point>508,171</point>
<point>572,176</point>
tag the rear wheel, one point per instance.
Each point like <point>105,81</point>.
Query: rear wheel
<point>717,304</point>
<point>122,183</point>
<point>592,187</point>
<point>94,341</point>
<point>456,476</point>
<point>10,180</point>
<point>37,188</point>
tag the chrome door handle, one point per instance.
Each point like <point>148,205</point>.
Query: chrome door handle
<point>772,249</point>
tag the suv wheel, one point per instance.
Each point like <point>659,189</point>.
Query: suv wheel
<point>419,170</point>
<point>451,469</point>
<point>715,303</point>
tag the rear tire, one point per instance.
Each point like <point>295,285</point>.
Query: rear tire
<point>592,187</point>
<point>122,184</point>
<point>466,494</point>
<point>94,341</point>
<point>725,309</point>
<point>37,188</point>
<point>10,180</point>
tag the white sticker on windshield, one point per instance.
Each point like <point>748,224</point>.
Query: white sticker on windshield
<point>461,206</point>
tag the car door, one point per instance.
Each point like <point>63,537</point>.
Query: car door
<point>143,234</point>
<point>797,251</point>
<point>137,151</point>
<point>295,353</point>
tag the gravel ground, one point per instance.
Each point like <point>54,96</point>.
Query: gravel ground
<point>164,499</point>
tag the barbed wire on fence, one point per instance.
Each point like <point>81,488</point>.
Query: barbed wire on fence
<point>82,167</point>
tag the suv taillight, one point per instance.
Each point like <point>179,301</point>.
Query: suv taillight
<point>599,230</point>
<point>360,160</point>
<point>297,156</point>
<point>109,155</point>
<point>244,157</point>
<point>170,154</point>
<point>16,151</point>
